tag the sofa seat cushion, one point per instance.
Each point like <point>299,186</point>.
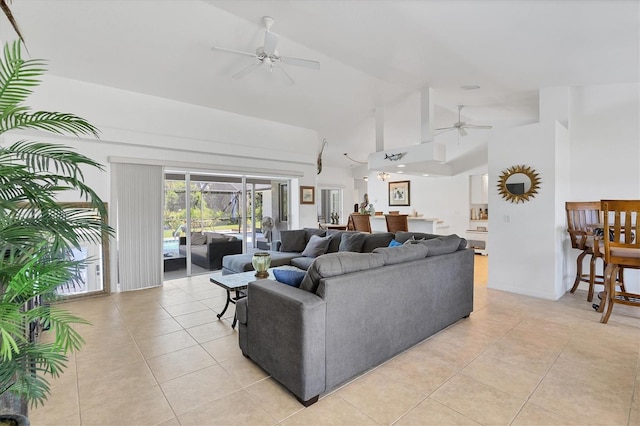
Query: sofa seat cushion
<point>302,262</point>
<point>333,264</point>
<point>242,262</point>
<point>404,253</point>
<point>441,245</point>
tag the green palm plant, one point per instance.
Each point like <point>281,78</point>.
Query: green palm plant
<point>36,231</point>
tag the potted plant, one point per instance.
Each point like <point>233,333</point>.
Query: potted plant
<point>36,234</point>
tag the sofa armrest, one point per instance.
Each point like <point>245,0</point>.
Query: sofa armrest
<point>285,329</point>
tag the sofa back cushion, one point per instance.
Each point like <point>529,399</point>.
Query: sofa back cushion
<point>442,244</point>
<point>403,236</point>
<point>404,253</point>
<point>198,239</point>
<point>375,240</point>
<point>351,241</point>
<point>293,240</point>
<point>333,264</point>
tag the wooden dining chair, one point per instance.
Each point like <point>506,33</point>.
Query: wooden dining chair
<point>359,222</point>
<point>397,222</point>
<point>582,218</point>
<point>621,251</point>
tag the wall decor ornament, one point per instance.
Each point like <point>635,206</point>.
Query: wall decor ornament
<point>518,184</point>
<point>307,195</point>
<point>400,193</point>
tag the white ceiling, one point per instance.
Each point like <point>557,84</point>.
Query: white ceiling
<point>371,52</point>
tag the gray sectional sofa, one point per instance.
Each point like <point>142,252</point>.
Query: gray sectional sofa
<point>354,311</point>
<point>289,249</point>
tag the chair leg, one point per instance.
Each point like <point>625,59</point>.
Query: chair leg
<point>621,280</point>
<point>578,271</point>
<point>592,278</point>
<point>610,286</point>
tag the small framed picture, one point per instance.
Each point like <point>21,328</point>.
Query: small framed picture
<point>399,193</point>
<point>307,195</point>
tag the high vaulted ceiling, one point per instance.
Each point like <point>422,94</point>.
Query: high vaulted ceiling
<point>372,53</point>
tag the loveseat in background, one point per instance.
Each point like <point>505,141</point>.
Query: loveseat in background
<point>208,249</point>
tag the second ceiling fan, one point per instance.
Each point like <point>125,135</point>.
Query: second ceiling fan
<point>461,126</point>
<point>268,57</point>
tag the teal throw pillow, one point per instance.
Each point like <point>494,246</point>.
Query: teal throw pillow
<point>289,276</point>
<point>394,243</point>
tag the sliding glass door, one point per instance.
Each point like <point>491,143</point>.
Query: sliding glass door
<point>201,209</point>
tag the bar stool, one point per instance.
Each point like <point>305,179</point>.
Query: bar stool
<point>397,222</point>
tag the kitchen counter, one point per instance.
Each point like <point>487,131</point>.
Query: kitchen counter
<point>427,225</point>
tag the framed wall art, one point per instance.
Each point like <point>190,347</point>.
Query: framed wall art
<point>307,195</point>
<point>399,193</point>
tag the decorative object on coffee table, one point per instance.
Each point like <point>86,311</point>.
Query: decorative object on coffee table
<point>261,262</point>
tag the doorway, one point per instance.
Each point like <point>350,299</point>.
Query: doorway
<point>207,216</point>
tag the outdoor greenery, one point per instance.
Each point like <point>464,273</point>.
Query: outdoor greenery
<point>211,210</point>
<point>37,233</point>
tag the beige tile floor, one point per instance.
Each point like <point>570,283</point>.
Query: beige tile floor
<point>161,357</point>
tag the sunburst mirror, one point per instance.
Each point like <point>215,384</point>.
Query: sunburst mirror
<point>518,184</point>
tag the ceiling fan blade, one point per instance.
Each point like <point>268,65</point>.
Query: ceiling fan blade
<point>283,75</point>
<point>270,42</point>
<point>246,70</point>
<point>462,131</point>
<point>445,128</point>
<point>237,52</point>
<point>314,65</point>
<point>473,126</point>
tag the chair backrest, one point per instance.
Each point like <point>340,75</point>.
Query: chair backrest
<point>581,214</point>
<point>621,220</point>
<point>359,222</point>
<point>397,222</point>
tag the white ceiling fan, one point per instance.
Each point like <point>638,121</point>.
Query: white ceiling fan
<point>462,126</point>
<point>268,57</point>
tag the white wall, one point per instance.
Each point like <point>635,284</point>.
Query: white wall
<point>605,154</point>
<point>161,131</point>
<point>339,177</point>
<point>143,129</point>
<point>446,198</point>
<point>526,248</point>
<point>599,161</point>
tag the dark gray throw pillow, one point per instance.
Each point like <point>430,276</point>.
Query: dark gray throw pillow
<point>351,242</point>
<point>316,246</point>
<point>293,240</point>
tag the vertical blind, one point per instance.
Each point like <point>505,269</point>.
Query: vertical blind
<point>138,195</point>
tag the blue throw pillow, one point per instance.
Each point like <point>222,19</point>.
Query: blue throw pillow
<point>394,243</point>
<point>289,276</point>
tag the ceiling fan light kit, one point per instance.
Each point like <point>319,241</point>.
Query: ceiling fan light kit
<point>267,56</point>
